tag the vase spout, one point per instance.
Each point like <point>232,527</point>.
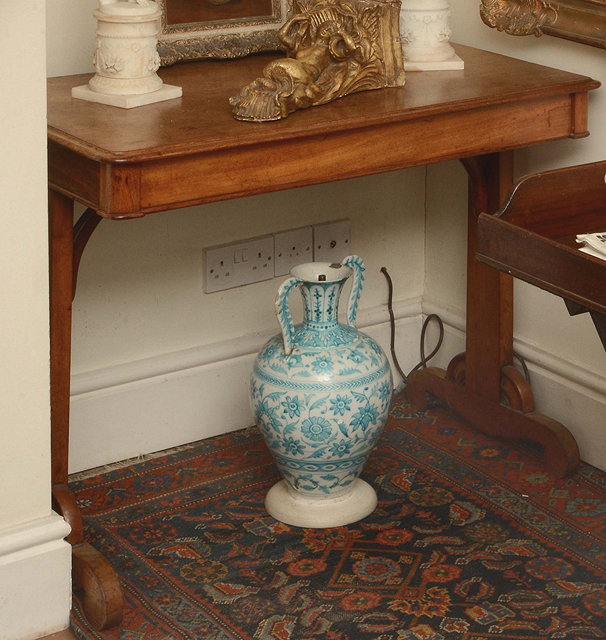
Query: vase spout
<point>321,272</point>
<point>321,284</point>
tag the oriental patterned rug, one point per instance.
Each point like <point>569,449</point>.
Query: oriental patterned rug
<point>471,540</point>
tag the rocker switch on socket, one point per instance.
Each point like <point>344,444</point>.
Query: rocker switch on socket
<point>240,255</point>
<point>237,264</point>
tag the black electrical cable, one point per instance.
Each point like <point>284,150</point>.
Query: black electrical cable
<point>522,362</point>
<point>430,317</point>
<point>392,322</point>
<point>425,360</point>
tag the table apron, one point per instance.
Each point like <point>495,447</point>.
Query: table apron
<point>120,189</point>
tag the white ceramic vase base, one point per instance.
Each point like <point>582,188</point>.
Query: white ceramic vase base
<point>321,513</point>
<point>452,64</point>
<point>166,92</point>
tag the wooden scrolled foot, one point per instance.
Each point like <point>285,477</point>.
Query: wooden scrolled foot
<point>456,369</point>
<point>560,451</point>
<point>98,587</point>
<point>65,504</point>
<point>420,383</point>
<point>515,389</point>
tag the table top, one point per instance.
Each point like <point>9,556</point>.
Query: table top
<point>201,120</point>
<point>495,103</point>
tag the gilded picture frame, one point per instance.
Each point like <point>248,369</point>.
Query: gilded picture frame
<point>582,21</point>
<point>219,28</point>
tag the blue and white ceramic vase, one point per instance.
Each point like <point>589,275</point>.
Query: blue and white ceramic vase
<point>321,392</point>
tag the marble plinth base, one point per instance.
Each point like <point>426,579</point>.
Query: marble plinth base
<point>443,65</point>
<point>320,513</point>
<point>166,92</point>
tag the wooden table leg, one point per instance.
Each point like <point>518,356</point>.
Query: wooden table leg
<point>474,383</point>
<point>92,573</point>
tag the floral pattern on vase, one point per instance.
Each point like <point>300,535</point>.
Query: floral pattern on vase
<point>321,390</point>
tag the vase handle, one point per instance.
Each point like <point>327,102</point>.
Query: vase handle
<point>284,315</point>
<point>356,264</point>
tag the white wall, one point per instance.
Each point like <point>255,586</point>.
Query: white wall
<point>34,560</point>
<point>568,363</point>
<point>140,287</point>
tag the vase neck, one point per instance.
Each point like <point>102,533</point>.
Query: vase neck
<point>321,304</point>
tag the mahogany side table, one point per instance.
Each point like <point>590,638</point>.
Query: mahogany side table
<point>189,151</point>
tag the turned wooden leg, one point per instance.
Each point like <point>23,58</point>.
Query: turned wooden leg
<point>92,574</point>
<point>475,382</point>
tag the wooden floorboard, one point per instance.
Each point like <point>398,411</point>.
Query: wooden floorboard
<point>68,634</point>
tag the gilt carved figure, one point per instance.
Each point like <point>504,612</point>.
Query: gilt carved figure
<point>333,49</point>
<point>518,17</point>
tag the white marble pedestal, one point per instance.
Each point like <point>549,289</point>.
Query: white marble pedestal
<point>425,34</point>
<point>126,58</point>
<point>166,92</point>
<point>450,64</point>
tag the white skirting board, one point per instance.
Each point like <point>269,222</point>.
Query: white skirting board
<point>35,586</point>
<point>142,407</point>
<point>146,406</point>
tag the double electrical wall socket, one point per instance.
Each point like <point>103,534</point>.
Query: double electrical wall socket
<point>249,261</point>
<point>291,248</point>
<point>234,265</point>
<point>332,241</point>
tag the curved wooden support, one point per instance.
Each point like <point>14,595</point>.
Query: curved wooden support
<point>456,369</point>
<point>477,172</point>
<point>64,503</point>
<point>83,230</point>
<point>560,451</point>
<point>97,586</point>
<point>515,389</point>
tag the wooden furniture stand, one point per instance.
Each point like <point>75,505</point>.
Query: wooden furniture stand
<point>189,151</point>
<point>532,237</point>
